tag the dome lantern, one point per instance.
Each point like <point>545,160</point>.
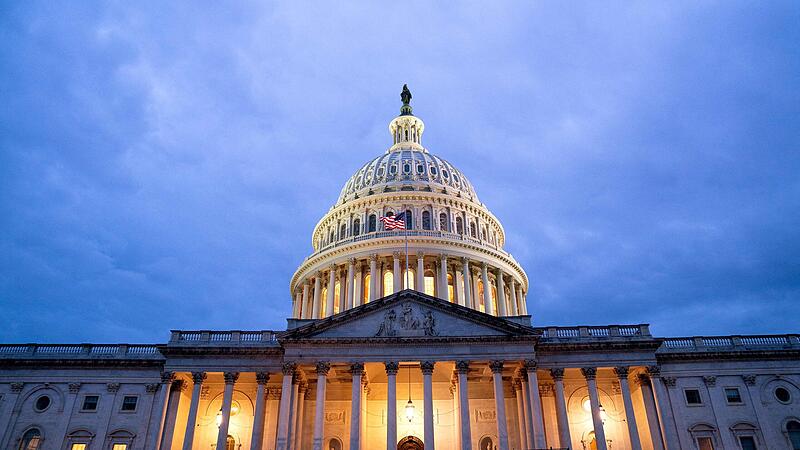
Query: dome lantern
<point>406,129</point>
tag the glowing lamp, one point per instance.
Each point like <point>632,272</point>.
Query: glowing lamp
<point>603,415</point>
<point>409,410</point>
<point>219,418</point>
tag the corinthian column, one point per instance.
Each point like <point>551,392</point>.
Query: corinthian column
<point>561,408</point>
<point>257,437</point>
<point>301,401</point>
<point>319,414</point>
<point>397,281</point>
<point>462,367</point>
<point>444,292</point>
<point>331,291</point>
<point>625,390</point>
<point>420,272</point>
<point>281,442</point>
<point>513,290</point>
<point>191,420</point>
<point>391,404</point>
<point>427,388</point>
<point>501,293</point>
<point>227,401</point>
<point>305,313</point>
<point>467,284</point>
<point>536,404</point>
<point>499,404</point>
<point>594,400</point>
<point>317,288</point>
<point>373,277</point>
<point>350,282</point>
<point>487,289</point>
<point>356,369</point>
<point>523,435</point>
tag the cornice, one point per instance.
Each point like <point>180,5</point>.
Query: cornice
<point>743,355</point>
<point>617,344</point>
<point>188,350</point>
<point>41,363</point>
<point>418,341</point>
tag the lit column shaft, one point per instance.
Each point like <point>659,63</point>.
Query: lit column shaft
<point>283,410</point>
<point>301,402</point>
<point>373,277</point>
<point>391,404</point>
<point>420,272</point>
<point>651,411</point>
<point>512,288</point>
<point>293,413</point>
<point>317,288</point>
<point>536,405</point>
<point>319,413</point>
<point>500,404</point>
<point>523,430</point>
<point>501,293</point>
<point>467,282</point>
<point>397,281</point>
<point>305,313</point>
<point>355,406</point>
<point>350,283</point>
<point>444,292</point>
<point>487,290</point>
<point>257,438</point>
<point>227,401</point>
<point>594,400</point>
<point>427,386</point>
<point>561,408</point>
<point>462,367</point>
<point>191,420</point>
<point>331,291</point>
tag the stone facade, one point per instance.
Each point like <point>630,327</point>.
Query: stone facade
<point>453,362</point>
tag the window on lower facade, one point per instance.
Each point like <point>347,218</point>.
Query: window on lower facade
<point>693,397</point>
<point>747,442</point>
<point>129,403</point>
<point>90,403</point>
<point>793,430</point>
<point>31,440</point>
<point>733,396</point>
<point>81,446</point>
<point>705,443</point>
<point>119,447</point>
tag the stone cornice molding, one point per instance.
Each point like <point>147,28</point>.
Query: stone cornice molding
<point>743,355</point>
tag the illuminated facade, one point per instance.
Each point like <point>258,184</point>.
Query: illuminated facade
<point>450,362</point>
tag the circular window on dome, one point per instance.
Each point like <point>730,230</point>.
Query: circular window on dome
<point>783,395</point>
<point>42,403</point>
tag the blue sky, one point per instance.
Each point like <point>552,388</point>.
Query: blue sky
<point>162,165</point>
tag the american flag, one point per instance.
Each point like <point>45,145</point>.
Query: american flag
<point>392,222</point>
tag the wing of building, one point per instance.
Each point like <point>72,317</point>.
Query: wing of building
<point>406,339</point>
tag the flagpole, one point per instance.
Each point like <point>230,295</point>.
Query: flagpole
<point>405,281</point>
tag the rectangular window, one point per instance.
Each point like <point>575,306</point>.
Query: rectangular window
<point>78,447</point>
<point>90,403</point>
<point>733,395</point>
<point>693,397</point>
<point>705,443</point>
<point>119,447</point>
<point>747,442</point>
<point>129,403</point>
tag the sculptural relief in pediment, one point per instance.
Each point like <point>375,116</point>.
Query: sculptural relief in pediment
<point>410,320</point>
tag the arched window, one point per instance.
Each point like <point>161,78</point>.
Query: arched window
<point>430,283</point>
<point>343,231</point>
<point>443,222</point>
<point>388,283</point>
<point>372,224</point>
<point>322,299</point>
<point>494,300</point>
<point>332,237</point>
<point>409,220</point>
<point>481,303</point>
<point>473,231</point>
<point>459,225</point>
<point>451,288</point>
<point>356,227</point>
<point>793,430</point>
<point>366,288</point>
<point>230,443</point>
<point>31,440</point>
<point>337,296</point>
<point>410,280</point>
<point>483,233</point>
<point>426,220</point>
<point>335,444</point>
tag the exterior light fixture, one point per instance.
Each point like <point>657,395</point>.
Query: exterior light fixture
<point>410,404</point>
<point>603,415</point>
<point>219,418</point>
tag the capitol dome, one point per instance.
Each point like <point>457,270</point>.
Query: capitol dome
<point>451,247</point>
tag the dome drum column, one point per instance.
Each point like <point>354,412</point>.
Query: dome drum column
<point>512,289</point>
<point>467,274</point>
<point>487,289</point>
<point>315,312</point>
<point>420,272</point>
<point>501,293</point>
<point>331,291</point>
<point>443,286</point>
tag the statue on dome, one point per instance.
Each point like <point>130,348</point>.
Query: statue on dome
<point>405,96</point>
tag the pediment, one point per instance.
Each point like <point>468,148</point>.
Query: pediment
<point>409,314</point>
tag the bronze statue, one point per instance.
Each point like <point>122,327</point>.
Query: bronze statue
<point>405,96</point>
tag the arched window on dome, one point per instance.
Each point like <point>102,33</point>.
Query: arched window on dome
<point>337,297</point>
<point>372,224</point>
<point>409,220</point>
<point>332,237</point>
<point>426,220</point>
<point>481,303</point>
<point>483,233</point>
<point>494,300</point>
<point>459,225</point>
<point>410,280</point>
<point>430,283</point>
<point>388,283</point>
<point>356,227</point>
<point>473,230</point>
<point>323,298</point>
<point>367,285</point>
<point>343,231</point>
<point>451,288</point>
<point>443,225</point>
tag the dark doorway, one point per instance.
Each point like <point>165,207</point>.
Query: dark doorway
<point>410,443</point>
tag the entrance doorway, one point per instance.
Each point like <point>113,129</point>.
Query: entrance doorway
<point>410,443</point>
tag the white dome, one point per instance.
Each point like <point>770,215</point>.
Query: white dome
<point>407,170</point>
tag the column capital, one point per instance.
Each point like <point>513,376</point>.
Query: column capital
<point>396,255</point>
<point>357,368</point>
<point>303,388</point>
<point>643,380</point>
<point>262,377</point>
<point>749,379</point>
<point>177,385</point>
<point>114,387</point>
<point>654,371</point>
<point>230,377</point>
<point>557,373</point>
<point>710,381</point>
<point>391,367</point>
<point>530,365</point>
<point>351,261</point>
<point>73,387</point>
<point>516,383</point>
<point>622,372</point>
<point>443,256</point>
<point>426,367</point>
<point>420,255</point>
<point>590,373</point>
<point>323,367</point>
<point>167,377</point>
<point>462,366</point>
<point>373,258</point>
<point>288,368</point>
<point>199,377</point>
<point>496,366</point>
<point>464,260</point>
<point>484,265</point>
<point>669,381</point>
<point>150,388</point>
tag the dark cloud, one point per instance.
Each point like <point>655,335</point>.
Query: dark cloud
<point>162,165</point>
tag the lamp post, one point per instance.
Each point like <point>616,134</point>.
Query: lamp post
<point>410,404</point>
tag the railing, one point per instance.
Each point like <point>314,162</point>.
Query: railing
<point>587,332</point>
<point>223,337</point>
<point>89,350</point>
<point>731,342</point>
<point>412,233</point>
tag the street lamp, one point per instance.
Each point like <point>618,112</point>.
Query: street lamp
<point>410,404</point>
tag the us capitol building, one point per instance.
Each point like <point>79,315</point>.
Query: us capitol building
<point>430,348</point>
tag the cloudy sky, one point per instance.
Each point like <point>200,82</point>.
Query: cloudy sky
<point>162,165</point>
